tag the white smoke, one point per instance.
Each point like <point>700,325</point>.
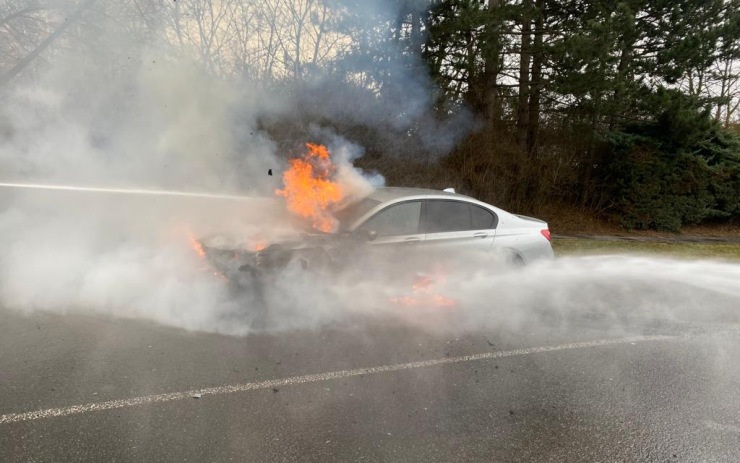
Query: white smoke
<point>474,291</point>
<point>176,127</point>
<point>126,111</point>
<point>344,153</point>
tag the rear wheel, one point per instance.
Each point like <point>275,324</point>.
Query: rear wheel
<point>516,261</point>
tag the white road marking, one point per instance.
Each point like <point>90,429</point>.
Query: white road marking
<point>272,383</point>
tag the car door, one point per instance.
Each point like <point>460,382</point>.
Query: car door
<point>454,224</point>
<point>397,224</point>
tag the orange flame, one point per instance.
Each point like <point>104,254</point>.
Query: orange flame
<point>197,246</point>
<point>426,300</point>
<point>309,190</point>
<point>256,244</point>
<point>424,295</point>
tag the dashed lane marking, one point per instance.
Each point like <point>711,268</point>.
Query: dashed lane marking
<point>312,378</point>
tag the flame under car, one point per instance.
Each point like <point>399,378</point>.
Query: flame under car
<point>394,220</point>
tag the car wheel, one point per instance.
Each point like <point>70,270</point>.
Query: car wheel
<point>516,261</point>
<point>314,262</point>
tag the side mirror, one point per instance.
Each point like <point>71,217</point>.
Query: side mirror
<point>369,235</point>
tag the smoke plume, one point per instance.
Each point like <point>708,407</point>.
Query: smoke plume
<point>122,106</point>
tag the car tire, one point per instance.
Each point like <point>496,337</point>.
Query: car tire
<point>516,261</point>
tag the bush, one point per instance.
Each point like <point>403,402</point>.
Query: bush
<point>684,169</point>
<point>654,190</point>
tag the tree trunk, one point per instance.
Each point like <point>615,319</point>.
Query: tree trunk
<point>487,85</point>
<point>416,40</point>
<point>723,92</point>
<point>524,61</point>
<point>536,83</point>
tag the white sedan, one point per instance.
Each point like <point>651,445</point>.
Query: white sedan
<point>444,219</point>
<point>396,220</point>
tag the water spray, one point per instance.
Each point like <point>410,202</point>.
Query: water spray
<point>126,191</point>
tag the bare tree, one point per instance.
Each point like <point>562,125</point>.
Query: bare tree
<point>266,39</point>
<point>23,27</point>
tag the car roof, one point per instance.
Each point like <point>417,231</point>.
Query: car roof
<point>392,193</point>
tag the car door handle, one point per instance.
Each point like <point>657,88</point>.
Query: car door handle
<point>411,240</point>
<point>480,235</point>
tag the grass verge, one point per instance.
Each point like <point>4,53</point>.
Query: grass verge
<point>579,247</point>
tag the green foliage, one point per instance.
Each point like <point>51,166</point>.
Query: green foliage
<point>464,38</point>
<point>608,56</point>
<point>655,192</point>
<point>682,169</point>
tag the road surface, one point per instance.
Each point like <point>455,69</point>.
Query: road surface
<point>81,388</point>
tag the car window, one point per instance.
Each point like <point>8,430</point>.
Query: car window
<point>398,219</point>
<point>447,216</point>
<point>483,219</point>
<point>354,211</point>
<point>451,216</point>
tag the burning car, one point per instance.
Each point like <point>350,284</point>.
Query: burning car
<point>341,223</point>
<point>394,220</point>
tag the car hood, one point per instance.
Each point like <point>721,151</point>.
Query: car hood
<point>230,256</point>
<point>306,240</point>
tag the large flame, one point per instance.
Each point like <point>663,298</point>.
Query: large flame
<point>309,190</point>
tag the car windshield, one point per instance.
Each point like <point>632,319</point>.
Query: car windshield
<point>354,211</point>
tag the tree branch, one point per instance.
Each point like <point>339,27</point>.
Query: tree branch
<point>28,59</point>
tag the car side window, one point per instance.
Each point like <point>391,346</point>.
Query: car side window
<point>447,216</point>
<point>398,219</point>
<point>483,219</point>
<point>451,216</point>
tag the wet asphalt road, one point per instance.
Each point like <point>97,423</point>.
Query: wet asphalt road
<point>675,399</point>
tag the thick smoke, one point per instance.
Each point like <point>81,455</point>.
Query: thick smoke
<point>113,106</point>
<point>128,109</point>
<point>165,125</point>
<point>470,291</point>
